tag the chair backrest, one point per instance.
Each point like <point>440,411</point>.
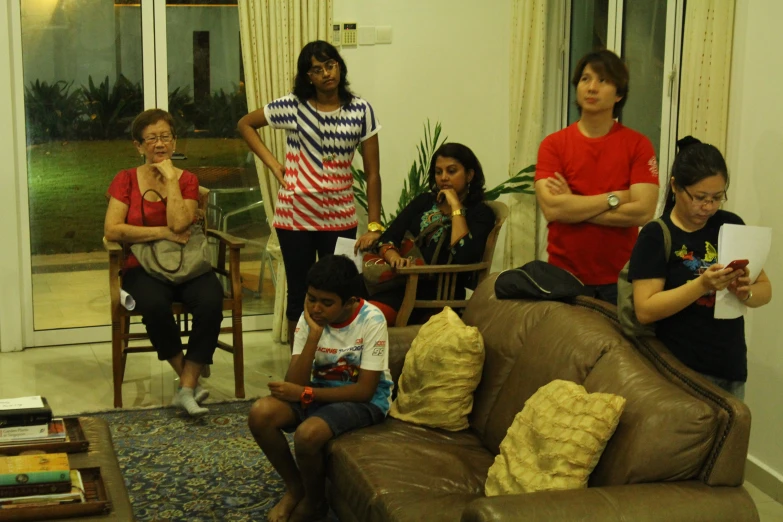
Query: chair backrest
<point>501,213</point>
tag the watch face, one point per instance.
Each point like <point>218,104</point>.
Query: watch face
<point>613,200</point>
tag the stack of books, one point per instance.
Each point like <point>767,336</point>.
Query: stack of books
<point>28,419</point>
<point>28,481</point>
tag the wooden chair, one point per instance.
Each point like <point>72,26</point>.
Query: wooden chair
<point>447,274</point>
<point>120,317</point>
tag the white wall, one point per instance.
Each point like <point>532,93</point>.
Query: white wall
<point>449,62</point>
<point>754,155</point>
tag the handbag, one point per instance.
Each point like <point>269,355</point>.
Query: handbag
<point>170,261</point>
<point>538,280</point>
<point>380,276</point>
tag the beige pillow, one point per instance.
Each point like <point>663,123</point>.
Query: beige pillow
<point>555,441</point>
<point>440,374</point>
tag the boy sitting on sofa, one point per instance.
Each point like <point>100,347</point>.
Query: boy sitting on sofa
<point>338,380</point>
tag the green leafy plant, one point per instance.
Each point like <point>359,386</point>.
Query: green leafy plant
<point>52,111</point>
<point>182,109</point>
<point>417,181</point>
<point>111,110</point>
<point>222,111</point>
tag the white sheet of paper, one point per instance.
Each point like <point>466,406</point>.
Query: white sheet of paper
<point>740,242</point>
<point>344,247</point>
<point>20,403</point>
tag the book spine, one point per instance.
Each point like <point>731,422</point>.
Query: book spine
<point>34,477</point>
<point>24,432</point>
<point>25,490</point>
<point>25,419</point>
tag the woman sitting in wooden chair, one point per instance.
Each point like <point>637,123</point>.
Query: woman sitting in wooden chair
<point>169,218</point>
<point>454,217</point>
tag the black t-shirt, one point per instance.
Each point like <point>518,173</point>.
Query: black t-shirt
<point>712,346</point>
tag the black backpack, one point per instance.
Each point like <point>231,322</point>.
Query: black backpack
<point>538,280</point>
<point>626,313</point>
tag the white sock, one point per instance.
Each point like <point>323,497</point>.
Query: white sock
<point>185,400</point>
<point>200,394</point>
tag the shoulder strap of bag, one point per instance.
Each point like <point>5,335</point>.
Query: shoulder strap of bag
<point>667,238</point>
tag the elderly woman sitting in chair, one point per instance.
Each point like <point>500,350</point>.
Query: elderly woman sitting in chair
<point>451,222</point>
<point>137,214</point>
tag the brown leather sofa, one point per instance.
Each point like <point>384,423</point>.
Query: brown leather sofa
<point>678,454</point>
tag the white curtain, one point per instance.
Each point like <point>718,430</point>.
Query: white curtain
<point>528,60</point>
<point>706,69</point>
<point>273,33</point>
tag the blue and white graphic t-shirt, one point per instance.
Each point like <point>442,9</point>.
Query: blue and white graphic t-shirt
<point>361,342</point>
<point>318,190</point>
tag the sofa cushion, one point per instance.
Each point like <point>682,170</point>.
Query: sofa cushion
<point>441,372</point>
<point>555,441</point>
<point>400,471</point>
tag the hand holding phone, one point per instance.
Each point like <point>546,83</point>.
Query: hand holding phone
<point>738,264</point>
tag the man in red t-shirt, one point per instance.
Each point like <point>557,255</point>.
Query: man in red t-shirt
<point>596,180</point>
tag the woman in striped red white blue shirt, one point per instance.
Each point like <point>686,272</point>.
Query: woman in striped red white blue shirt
<point>324,123</point>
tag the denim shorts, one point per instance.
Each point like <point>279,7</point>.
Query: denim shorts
<point>736,388</point>
<point>339,416</point>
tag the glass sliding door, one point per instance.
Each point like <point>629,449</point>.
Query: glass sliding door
<point>82,69</point>
<point>589,20</point>
<point>89,67</point>
<point>643,49</point>
<point>645,35</point>
<point>206,94</point>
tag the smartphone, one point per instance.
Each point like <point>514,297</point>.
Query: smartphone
<point>737,264</point>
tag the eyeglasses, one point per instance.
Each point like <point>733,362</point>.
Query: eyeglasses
<point>319,71</point>
<point>701,201</point>
<point>164,138</point>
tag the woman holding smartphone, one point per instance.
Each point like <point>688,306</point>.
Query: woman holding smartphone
<point>324,122</point>
<point>677,291</point>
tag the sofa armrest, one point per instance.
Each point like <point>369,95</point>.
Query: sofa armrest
<point>400,339</point>
<point>665,502</point>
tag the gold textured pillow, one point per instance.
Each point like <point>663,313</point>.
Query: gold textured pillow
<point>440,374</point>
<point>555,441</point>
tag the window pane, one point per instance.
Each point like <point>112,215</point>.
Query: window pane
<point>644,46</point>
<point>83,87</point>
<point>207,98</point>
<point>589,19</point>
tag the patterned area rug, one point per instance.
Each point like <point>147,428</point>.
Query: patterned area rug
<point>206,469</point>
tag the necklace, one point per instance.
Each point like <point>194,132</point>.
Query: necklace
<point>327,157</point>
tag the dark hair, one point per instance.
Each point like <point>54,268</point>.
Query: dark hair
<point>694,162</point>
<point>335,274</point>
<point>147,118</point>
<point>321,51</point>
<point>469,161</point>
<point>605,63</point>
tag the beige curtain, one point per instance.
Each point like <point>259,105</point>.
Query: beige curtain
<point>706,69</point>
<point>528,59</point>
<point>272,33</point>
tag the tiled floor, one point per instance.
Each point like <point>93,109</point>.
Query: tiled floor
<point>77,379</point>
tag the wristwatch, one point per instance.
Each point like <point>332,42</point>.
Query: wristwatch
<point>307,397</point>
<point>613,201</point>
<point>374,226</point>
<point>458,212</point>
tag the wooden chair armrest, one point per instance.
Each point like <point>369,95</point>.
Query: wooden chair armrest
<point>228,239</point>
<point>442,269</point>
<point>112,246</point>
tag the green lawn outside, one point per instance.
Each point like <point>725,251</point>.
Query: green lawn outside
<point>67,184</point>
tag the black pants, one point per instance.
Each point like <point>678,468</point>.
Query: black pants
<point>299,248</point>
<point>203,297</point>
